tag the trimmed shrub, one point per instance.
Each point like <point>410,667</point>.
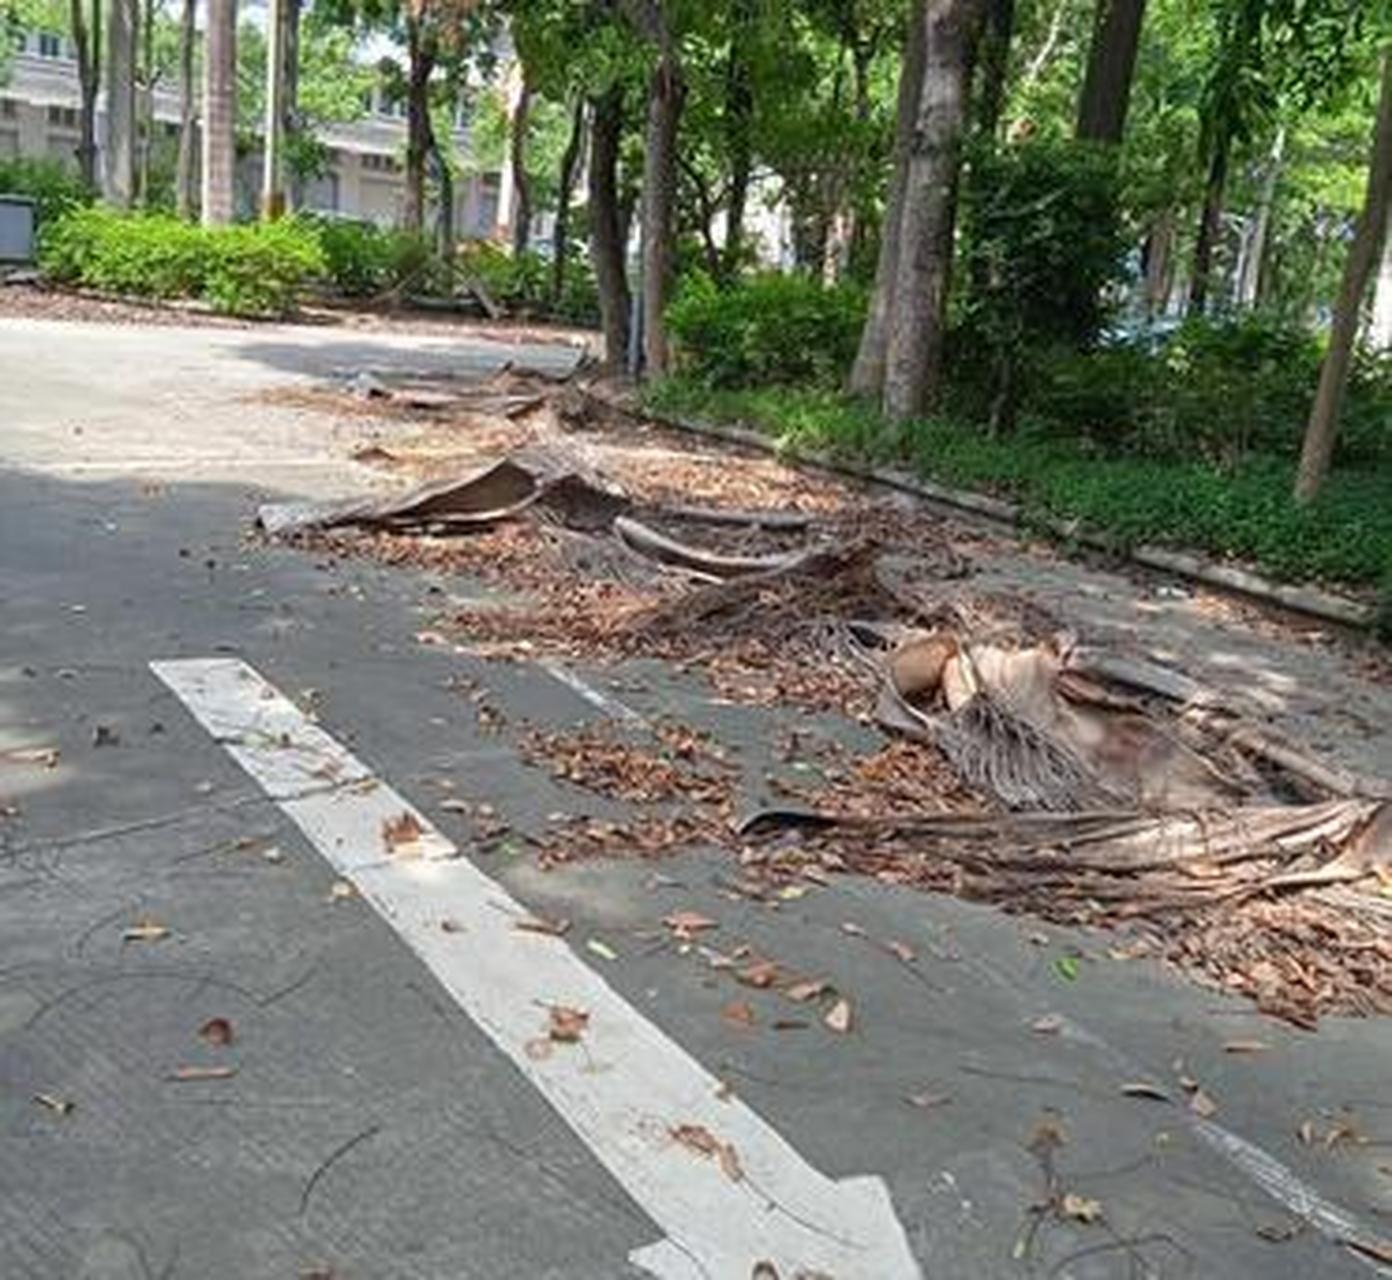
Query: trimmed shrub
<point>241,270</point>
<point>779,329</point>
<point>53,188</point>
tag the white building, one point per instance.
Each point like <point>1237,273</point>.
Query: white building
<point>39,117</point>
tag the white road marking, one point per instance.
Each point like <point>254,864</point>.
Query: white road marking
<point>611,706</point>
<point>625,1086</point>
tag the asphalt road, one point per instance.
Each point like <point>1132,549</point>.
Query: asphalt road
<point>373,1130</point>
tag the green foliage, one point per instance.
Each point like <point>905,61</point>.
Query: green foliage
<point>768,329</point>
<point>1243,513</point>
<point>53,188</point>
<point>522,283</point>
<point>362,260</point>
<point>242,270</point>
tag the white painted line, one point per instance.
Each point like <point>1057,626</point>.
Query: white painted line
<point>611,706</point>
<point>625,1087</point>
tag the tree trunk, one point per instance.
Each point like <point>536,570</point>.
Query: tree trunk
<point>1253,259</point>
<point>147,101</point>
<point>1318,449</point>
<point>739,148</point>
<point>122,40</point>
<point>184,172</point>
<point>995,61</point>
<point>918,317</point>
<point>867,373</point>
<point>220,113</point>
<point>665,96</point>
<point>1209,224</point>
<point>607,234</point>
<point>87,78</point>
<point>1380,323</point>
<point>1158,261</point>
<point>290,100</point>
<point>420,49</point>
<point>570,167</point>
<point>521,184</point>
<point>1116,33</point>
<point>445,237</point>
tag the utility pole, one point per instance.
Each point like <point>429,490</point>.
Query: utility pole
<point>272,182</point>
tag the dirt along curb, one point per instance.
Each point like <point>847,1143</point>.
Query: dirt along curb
<point>1325,605</point>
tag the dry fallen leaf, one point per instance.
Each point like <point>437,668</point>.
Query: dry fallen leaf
<point>838,1017</point>
<point>697,1138</point>
<point>790,1024</point>
<point>401,832</point>
<point>764,1271</point>
<point>450,925</point>
<point>901,950</point>
<point>203,1073</point>
<point>540,924</point>
<point>738,1012</point>
<point>850,927</point>
<point>216,1031</point>
<point>63,1106</point>
<point>44,757</point>
<point>145,931</point>
<point>762,974</point>
<point>687,924</point>
<point>1201,1104</point>
<point>1306,1132</point>
<point>567,1025</point>
<point>342,889</point>
<point>926,1101</point>
<point>1245,1046</point>
<point>805,989</point>
<point>1048,1025</point>
<point>1144,1089</point>
<point>1080,1208</point>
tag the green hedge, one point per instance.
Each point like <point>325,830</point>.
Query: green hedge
<point>767,329</point>
<point>53,188</point>
<point>241,270</point>
<point>1244,512</point>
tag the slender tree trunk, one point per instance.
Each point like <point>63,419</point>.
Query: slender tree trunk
<point>1320,434</point>
<point>1158,259</point>
<point>123,36</point>
<point>608,236</point>
<point>87,79</point>
<point>918,317</point>
<point>666,92</point>
<point>147,100</point>
<point>220,113</point>
<point>739,149</point>
<point>445,238</point>
<point>1380,323</point>
<point>184,172</point>
<point>420,49</point>
<point>1249,278</point>
<point>570,167</point>
<point>1210,221</point>
<point>290,129</point>
<point>521,184</point>
<point>1116,33</point>
<point>867,373</point>
<point>995,61</point>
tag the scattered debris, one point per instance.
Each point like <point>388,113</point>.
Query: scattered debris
<point>738,1012</point>
<point>144,931</point>
<point>217,1031</point>
<point>202,1073</point>
<point>103,735</point>
<point>697,1138</point>
<point>566,1024</point>
<point>601,948</point>
<point>838,1017</point>
<point>1080,1208</point>
<point>63,1106</point>
<point>402,834</point>
<point>540,924</point>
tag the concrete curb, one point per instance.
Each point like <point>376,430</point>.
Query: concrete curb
<point>1308,600</point>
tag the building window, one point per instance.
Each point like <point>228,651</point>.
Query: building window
<point>63,117</point>
<point>50,45</point>
<point>380,163</point>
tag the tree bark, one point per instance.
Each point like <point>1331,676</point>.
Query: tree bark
<point>1318,449</point>
<point>1210,220</point>
<point>867,372</point>
<point>521,185</point>
<point>122,41</point>
<point>1158,262</point>
<point>220,113</point>
<point>420,51</point>
<point>739,148</point>
<point>1380,322</point>
<point>666,92</point>
<point>607,234</point>
<point>184,171</point>
<point>995,61</point>
<point>917,319</point>
<point>1253,260</point>
<point>290,99</point>
<point>147,100</point>
<point>570,167</point>
<point>88,76</point>
<point>1106,93</point>
<point>445,237</point>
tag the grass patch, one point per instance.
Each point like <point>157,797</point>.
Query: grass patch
<point>1242,512</point>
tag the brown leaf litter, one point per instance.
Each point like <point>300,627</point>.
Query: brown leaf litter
<point>1021,768</point>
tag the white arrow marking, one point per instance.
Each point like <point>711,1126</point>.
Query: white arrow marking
<point>625,1087</point>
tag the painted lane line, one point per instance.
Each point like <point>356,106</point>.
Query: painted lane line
<point>611,706</point>
<point>626,1087</point>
